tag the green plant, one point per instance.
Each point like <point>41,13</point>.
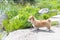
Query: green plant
<point>18,14</point>
<point>0,36</point>
<point>54,23</point>
<point>19,19</point>
<point>24,1</point>
<point>45,16</point>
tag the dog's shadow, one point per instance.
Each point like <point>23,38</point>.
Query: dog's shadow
<point>40,30</point>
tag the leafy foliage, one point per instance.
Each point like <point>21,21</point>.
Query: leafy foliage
<point>18,14</point>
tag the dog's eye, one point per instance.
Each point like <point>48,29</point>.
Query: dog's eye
<point>30,19</point>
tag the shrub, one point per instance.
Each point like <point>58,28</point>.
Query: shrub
<point>18,15</point>
<point>23,2</point>
<point>54,23</point>
<point>45,16</point>
<point>19,19</point>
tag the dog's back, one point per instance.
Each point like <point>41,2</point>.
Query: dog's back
<point>42,23</point>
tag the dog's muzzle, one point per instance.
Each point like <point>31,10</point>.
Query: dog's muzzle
<point>29,21</point>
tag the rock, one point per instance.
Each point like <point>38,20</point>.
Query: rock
<point>1,0</point>
<point>30,34</point>
<point>55,18</point>
<point>44,10</point>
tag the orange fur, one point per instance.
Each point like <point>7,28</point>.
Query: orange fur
<point>39,23</point>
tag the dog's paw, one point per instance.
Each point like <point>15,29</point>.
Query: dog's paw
<point>51,31</point>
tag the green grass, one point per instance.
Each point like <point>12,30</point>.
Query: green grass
<point>0,36</point>
<point>54,23</point>
<point>18,14</point>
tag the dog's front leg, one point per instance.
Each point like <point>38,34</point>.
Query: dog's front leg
<point>35,28</point>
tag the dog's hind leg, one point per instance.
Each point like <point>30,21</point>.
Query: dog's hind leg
<point>49,28</point>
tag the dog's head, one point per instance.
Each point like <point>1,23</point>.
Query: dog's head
<point>31,18</point>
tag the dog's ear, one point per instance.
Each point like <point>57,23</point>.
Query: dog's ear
<point>33,18</point>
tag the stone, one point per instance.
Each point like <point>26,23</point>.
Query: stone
<point>44,10</point>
